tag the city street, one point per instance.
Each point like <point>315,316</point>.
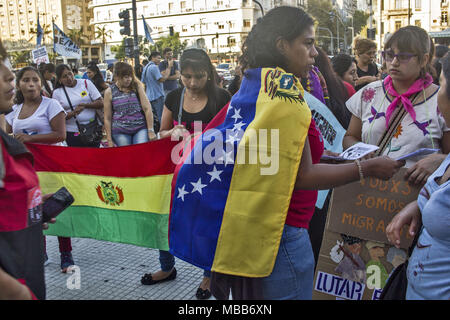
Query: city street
<point>112,271</point>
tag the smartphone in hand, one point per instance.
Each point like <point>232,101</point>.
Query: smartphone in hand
<point>56,204</point>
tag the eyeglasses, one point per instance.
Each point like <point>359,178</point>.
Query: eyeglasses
<point>402,57</point>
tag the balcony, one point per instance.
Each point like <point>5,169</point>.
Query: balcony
<point>398,12</point>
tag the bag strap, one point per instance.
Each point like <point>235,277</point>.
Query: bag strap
<point>396,120</point>
<point>180,110</point>
<point>71,107</point>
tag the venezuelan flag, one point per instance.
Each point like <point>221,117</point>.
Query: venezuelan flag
<point>121,194</point>
<point>228,214</point>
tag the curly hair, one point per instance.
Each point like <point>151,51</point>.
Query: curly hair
<point>259,49</point>
<point>362,45</point>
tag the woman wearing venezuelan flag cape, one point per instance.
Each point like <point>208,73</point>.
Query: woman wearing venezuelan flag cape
<point>232,215</point>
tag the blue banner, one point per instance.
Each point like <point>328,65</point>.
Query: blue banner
<point>63,45</point>
<point>147,30</point>
<point>39,33</point>
<point>331,130</point>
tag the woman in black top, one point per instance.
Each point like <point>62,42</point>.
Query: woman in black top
<point>365,53</point>
<point>202,100</point>
<point>93,72</point>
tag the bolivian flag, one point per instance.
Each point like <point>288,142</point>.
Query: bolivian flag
<point>228,214</point>
<point>121,194</point>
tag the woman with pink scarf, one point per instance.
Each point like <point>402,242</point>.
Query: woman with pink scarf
<point>409,85</point>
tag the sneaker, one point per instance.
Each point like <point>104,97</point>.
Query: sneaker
<point>46,261</point>
<point>66,261</point>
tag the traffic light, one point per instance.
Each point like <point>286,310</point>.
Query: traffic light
<point>129,47</point>
<point>371,33</point>
<point>171,31</point>
<point>125,23</point>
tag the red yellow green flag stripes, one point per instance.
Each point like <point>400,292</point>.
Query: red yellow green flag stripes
<point>121,194</point>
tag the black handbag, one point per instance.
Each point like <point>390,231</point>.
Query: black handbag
<point>91,133</point>
<point>395,288</point>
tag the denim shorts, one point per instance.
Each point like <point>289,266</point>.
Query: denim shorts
<point>122,139</point>
<point>293,273</point>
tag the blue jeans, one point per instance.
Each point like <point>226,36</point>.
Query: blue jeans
<point>122,139</point>
<point>293,273</point>
<point>167,262</point>
<point>158,106</point>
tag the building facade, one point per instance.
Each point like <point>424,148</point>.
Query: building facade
<point>218,26</point>
<point>390,15</point>
<point>18,23</point>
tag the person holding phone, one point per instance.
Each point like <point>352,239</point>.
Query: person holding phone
<point>38,119</point>
<point>21,237</point>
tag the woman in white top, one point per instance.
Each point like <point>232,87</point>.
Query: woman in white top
<point>85,100</point>
<point>38,119</point>
<point>410,86</point>
<point>35,118</point>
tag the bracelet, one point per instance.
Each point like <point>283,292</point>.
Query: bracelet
<point>151,130</point>
<point>361,174</point>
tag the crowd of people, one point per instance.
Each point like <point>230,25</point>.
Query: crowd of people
<point>49,104</point>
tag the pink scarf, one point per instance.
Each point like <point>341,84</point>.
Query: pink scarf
<point>417,86</point>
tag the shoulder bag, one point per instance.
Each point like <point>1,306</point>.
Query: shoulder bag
<point>91,133</point>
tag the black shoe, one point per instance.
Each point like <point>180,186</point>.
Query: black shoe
<point>203,294</point>
<point>147,278</point>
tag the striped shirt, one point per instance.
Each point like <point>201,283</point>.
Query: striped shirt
<point>127,114</point>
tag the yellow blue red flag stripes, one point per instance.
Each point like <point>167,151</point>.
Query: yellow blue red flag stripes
<point>228,210</point>
<point>121,194</point>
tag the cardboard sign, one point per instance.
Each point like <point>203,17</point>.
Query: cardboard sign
<point>40,55</point>
<point>364,209</point>
<point>353,269</point>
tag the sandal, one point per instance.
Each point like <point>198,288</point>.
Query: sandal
<point>203,294</point>
<point>148,280</point>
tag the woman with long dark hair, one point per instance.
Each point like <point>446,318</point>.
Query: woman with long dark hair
<point>94,73</point>
<point>199,100</point>
<point>84,98</point>
<point>278,256</point>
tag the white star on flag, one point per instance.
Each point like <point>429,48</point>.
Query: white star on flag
<point>232,138</point>
<point>182,192</point>
<point>238,126</point>
<point>236,115</point>
<point>227,156</point>
<point>215,174</point>
<point>198,186</point>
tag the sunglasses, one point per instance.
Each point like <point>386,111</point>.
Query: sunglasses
<point>389,56</point>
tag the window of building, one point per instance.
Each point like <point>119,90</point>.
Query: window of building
<point>94,51</point>
<point>183,4</point>
<point>418,23</point>
<point>398,25</point>
<point>221,26</point>
<point>398,4</point>
<point>418,4</point>
<point>444,17</point>
<point>247,23</point>
<point>170,6</point>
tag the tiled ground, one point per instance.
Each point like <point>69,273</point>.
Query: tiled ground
<point>112,271</point>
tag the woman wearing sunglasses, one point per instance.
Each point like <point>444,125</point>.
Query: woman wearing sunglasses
<point>409,85</point>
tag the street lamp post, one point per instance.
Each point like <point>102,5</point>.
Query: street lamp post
<point>331,37</point>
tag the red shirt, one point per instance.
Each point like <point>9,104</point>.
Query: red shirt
<point>303,202</point>
<point>350,89</point>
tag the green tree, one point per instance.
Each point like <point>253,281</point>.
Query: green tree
<point>19,57</point>
<point>103,34</point>
<point>77,36</point>
<point>169,42</point>
<point>46,29</point>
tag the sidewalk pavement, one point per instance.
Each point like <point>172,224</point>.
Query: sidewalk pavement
<point>112,271</point>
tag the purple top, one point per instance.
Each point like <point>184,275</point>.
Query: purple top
<point>127,114</point>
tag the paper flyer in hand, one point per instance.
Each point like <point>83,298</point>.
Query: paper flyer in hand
<point>356,151</point>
